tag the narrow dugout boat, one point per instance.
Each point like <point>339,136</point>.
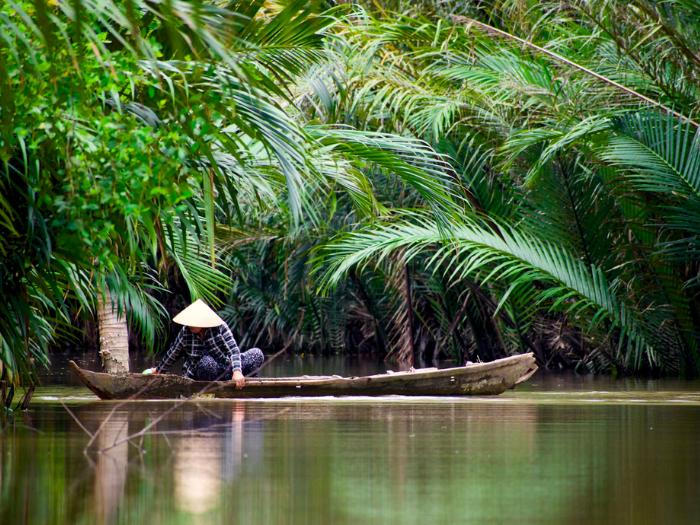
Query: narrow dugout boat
<point>473,379</point>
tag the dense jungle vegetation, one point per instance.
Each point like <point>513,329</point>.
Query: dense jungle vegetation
<point>423,179</point>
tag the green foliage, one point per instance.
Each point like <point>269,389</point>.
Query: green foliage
<point>569,224</point>
<point>580,200</point>
<point>122,127</point>
<point>521,264</point>
<point>490,178</point>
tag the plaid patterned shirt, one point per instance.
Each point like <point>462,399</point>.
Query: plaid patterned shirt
<point>218,342</point>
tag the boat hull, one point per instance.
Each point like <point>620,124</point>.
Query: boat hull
<point>474,379</point>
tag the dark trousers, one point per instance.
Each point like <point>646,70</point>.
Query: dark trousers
<point>208,369</point>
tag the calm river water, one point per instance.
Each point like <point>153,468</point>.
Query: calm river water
<point>560,449</point>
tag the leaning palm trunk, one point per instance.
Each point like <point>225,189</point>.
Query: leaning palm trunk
<point>114,336</point>
<point>403,331</point>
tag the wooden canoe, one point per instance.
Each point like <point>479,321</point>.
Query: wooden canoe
<point>473,379</point>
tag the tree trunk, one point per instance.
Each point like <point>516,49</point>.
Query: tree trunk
<point>403,332</point>
<point>411,335</point>
<point>114,336</point>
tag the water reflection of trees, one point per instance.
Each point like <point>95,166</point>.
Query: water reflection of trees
<point>178,468</point>
<point>343,463</point>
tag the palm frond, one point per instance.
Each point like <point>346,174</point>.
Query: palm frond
<point>413,161</point>
<point>205,279</point>
<point>133,298</point>
<point>658,154</point>
<point>512,259</point>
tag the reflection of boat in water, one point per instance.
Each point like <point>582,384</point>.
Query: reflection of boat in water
<point>473,379</point>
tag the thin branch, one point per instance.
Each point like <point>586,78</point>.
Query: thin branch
<point>269,359</point>
<point>75,418</point>
<point>493,30</point>
<point>670,31</point>
<point>166,433</point>
<point>206,411</point>
<point>212,386</point>
<point>104,422</point>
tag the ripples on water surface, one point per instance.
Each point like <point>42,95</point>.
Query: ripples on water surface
<point>558,450</point>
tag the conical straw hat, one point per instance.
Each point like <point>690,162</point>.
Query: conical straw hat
<point>199,315</point>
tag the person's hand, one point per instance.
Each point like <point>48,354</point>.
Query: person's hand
<point>239,379</point>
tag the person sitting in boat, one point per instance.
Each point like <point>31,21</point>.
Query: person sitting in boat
<point>211,352</point>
